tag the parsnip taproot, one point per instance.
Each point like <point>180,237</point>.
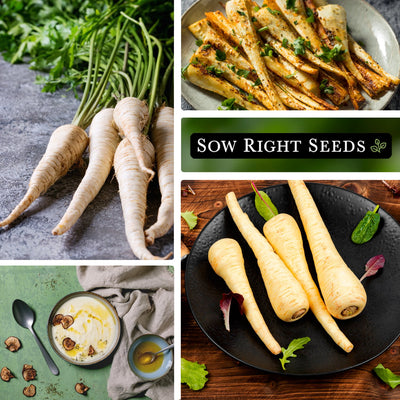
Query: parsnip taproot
<point>226,259</point>
<point>284,235</point>
<point>162,136</point>
<point>342,291</point>
<point>285,293</point>
<point>130,117</point>
<point>66,146</point>
<point>103,141</point>
<point>133,183</point>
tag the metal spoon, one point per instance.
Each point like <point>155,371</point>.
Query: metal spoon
<point>25,317</point>
<point>149,357</point>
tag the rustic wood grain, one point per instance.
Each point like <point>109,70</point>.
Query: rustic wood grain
<point>229,379</point>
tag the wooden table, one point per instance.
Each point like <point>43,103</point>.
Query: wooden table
<point>229,379</point>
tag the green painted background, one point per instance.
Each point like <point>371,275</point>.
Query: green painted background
<point>290,125</point>
<point>41,288</point>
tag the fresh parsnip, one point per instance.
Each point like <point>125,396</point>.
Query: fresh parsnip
<point>342,291</point>
<point>162,136</point>
<point>103,141</point>
<point>285,293</point>
<point>284,235</point>
<point>226,259</point>
<point>133,183</point>
<point>66,146</point>
<point>131,115</point>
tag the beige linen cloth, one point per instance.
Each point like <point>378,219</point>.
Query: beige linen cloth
<point>143,297</point>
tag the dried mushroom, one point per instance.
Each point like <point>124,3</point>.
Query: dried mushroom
<point>12,343</point>
<point>81,388</point>
<point>91,351</point>
<point>28,372</point>
<point>68,343</point>
<point>67,321</point>
<point>57,319</point>
<point>29,391</point>
<point>6,374</point>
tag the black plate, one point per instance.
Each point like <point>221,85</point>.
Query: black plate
<point>372,332</point>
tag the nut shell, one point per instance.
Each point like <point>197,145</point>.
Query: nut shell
<point>81,388</point>
<point>68,344</point>
<point>12,343</point>
<point>29,391</point>
<point>67,321</point>
<point>6,374</point>
<point>28,372</point>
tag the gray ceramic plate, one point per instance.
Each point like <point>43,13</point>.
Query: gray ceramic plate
<point>366,25</point>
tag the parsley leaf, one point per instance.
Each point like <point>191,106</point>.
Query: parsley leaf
<point>264,28</point>
<point>220,55</point>
<point>241,13</point>
<point>243,72</point>
<point>257,82</point>
<point>290,4</point>
<point>285,43</point>
<point>294,345</point>
<point>299,47</point>
<point>193,374</point>
<point>229,104</point>
<point>336,53</point>
<point>310,16</point>
<point>268,51</point>
<point>199,42</point>
<point>190,218</point>
<point>273,12</point>
<point>214,70</point>
<point>325,88</point>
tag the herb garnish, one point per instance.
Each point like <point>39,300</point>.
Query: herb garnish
<point>387,376</point>
<point>336,53</point>
<point>220,55</point>
<point>373,265</point>
<point>294,345</point>
<point>310,16</point>
<point>325,88</point>
<point>190,218</point>
<point>199,42</point>
<point>241,13</point>
<point>299,46</point>
<point>243,72</point>
<point>263,204</point>
<point>367,227</point>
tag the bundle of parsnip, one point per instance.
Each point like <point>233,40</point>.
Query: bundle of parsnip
<point>285,54</point>
<point>129,66</point>
<point>280,256</point>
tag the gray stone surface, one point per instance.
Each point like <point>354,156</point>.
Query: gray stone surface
<point>27,119</point>
<point>389,9</point>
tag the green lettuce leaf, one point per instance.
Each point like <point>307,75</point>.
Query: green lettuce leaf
<point>387,376</point>
<point>190,218</point>
<point>193,374</point>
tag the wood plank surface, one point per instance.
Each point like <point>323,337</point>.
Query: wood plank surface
<point>229,379</point>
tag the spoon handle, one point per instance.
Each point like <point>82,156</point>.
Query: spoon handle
<point>165,349</point>
<point>46,355</point>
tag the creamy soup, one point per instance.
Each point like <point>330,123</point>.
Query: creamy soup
<point>93,330</point>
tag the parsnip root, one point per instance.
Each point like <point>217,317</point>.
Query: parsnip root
<point>66,145</point>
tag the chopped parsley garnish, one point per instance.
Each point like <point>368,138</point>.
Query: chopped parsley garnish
<point>290,4</point>
<point>273,12</point>
<point>332,54</point>
<point>250,97</point>
<point>290,76</point>
<point>310,16</point>
<point>325,88</point>
<point>264,28</point>
<point>183,71</point>
<point>220,55</point>
<point>257,82</point>
<point>232,67</point>
<point>241,13</point>
<point>256,8</point>
<point>299,46</point>
<point>295,22</point>
<point>268,51</point>
<point>206,46</point>
<point>243,72</point>
<point>253,19</point>
<point>337,38</point>
<point>285,43</point>
<point>199,42</point>
<point>229,104</point>
<point>214,70</point>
